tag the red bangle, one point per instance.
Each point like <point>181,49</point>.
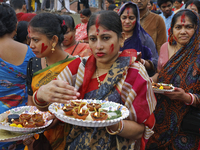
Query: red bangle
<point>192,99</point>
<point>39,102</point>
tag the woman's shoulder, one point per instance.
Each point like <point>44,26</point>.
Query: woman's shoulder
<point>164,47</point>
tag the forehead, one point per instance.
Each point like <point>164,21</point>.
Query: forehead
<point>92,30</point>
<point>128,10</point>
<point>179,20</point>
<point>166,4</point>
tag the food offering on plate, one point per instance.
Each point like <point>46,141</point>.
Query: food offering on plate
<point>77,103</point>
<point>108,114</point>
<point>26,120</point>
<point>93,106</point>
<point>161,87</point>
<point>68,110</point>
<point>99,115</point>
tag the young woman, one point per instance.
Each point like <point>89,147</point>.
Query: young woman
<point>136,38</point>
<point>111,75</point>
<point>81,29</point>
<point>47,33</point>
<point>14,57</point>
<point>69,44</point>
<point>182,71</point>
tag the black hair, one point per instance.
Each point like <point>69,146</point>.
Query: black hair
<point>151,2</point>
<point>191,15</point>
<point>180,1</point>
<point>108,19</point>
<point>111,1</point>
<point>86,12</point>
<point>69,21</point>
<point>17,4</point>
<point>50,25</point>
<point>8,19</point>
<point>22,32</point>
<point>195,2</point>
<point>112,7</point>
<point>160,2</point>
<point>134,8</point>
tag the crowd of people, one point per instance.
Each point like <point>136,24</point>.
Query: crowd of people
<point>114,55</point>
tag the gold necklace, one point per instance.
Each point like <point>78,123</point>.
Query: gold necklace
<point>99,81</point>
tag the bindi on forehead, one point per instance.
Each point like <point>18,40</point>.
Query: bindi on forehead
<point>97,25</point>
<point>128,10</point>
<point>183,18</point>
<point>191,4</point>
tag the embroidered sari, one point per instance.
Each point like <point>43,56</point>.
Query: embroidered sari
<point>13,90</point>
<point>126,83</point>
<point>38,77</point>
<point>183,71</point>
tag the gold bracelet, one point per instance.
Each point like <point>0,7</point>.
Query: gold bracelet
<point>116,132</point>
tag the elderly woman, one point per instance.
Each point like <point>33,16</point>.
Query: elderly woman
<point>181,70</point>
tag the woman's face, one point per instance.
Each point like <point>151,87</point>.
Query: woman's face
<point>183,30</point>
<point>128,20</point>
<point>69,37</point>
<point>105,44</point>
<point>40,44</point>
<point>84,19</point>
<point>192,7</point>
<point>107,4</point>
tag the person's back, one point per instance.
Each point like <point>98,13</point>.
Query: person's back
<point>20,9</point>
<point>14,57</point>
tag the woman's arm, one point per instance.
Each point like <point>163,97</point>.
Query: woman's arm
<point>30,101</point>
<point>131,129</point>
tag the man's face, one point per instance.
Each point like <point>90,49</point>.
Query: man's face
<point>142,4</point>
<point>166,8</point>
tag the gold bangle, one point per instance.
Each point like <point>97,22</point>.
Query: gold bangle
<point>116,132</point>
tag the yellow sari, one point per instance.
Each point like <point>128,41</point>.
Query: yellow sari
<point>57,135</point>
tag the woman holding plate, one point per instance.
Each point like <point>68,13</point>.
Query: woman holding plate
<point>47,31</point>
<point>182,70</point>
<point>106,75</point>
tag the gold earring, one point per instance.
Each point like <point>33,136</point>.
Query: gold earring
<point>122,44</point>
<point>53,47</point>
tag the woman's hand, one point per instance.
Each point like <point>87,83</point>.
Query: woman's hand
<point>54,123</point>
<point>57,91</point>
<point>178,94</point>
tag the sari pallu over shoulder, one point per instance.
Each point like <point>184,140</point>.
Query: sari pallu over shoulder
<point>183,71</point>
<point>129,80</point>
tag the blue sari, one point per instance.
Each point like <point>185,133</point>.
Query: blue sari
<point>13,90</point>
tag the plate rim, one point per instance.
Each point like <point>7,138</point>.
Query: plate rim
<point>88,123</point>
<point>24,129</point>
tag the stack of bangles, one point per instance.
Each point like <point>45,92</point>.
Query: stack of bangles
<point>39,104</point>
<point>119,130</point>
<point>193,97</point>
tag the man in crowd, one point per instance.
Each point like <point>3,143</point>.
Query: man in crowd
<point>20,9</point>
<point>167,13</point>
<point>152,23</point>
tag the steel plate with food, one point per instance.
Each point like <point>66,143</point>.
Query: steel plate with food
<point>161,87</point>
<point>24,119</point>
<point>90,112</point>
